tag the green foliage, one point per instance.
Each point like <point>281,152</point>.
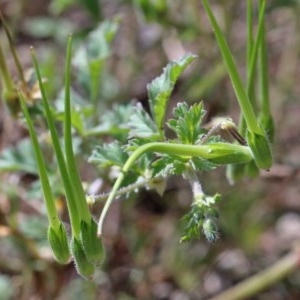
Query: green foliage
<point>201,217</point>
<point>187,122</point>
<point>141,125</point>
<point>160,89</point>
<point>138,146</point>
<point>89,58</point>
<point>152,9</point>
<point>19,158</point>
<point>111,154</point>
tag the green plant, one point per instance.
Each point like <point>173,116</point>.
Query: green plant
<point>143,152</point>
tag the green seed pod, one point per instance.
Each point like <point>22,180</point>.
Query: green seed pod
<point>83,266</point>
<point>58,241</point>
<point>210,229</point>
<point>261,149</point>
<point>225,153</point>
<point>92,245</point>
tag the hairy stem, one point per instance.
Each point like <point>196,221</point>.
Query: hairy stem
<point>222,153</point>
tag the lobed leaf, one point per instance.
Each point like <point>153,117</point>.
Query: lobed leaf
<point>187,122</point>
<point>141,124</point>
<point>160,89</point>
<point>111,154</point>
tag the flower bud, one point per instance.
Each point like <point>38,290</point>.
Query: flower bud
<point>59,243</point>
<point>92,245</point>
<point>210,229</point>
<point>83,266</point>
<point>261,149</point>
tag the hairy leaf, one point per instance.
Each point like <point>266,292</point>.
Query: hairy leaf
<point>109,155</point>
<point>160,89</point>
<point>19,158</point>
<point>187,122</point>
<point>141,124</point>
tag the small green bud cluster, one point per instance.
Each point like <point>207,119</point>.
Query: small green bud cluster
<point>58,241</point>
<point>202,217</point>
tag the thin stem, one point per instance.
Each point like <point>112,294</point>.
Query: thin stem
<point>223,153</point>
<point>264,279</point>
<point>7,81</point>
<point>254,52</point>
<point>47,191</point>
<point>122,191</point>
<point>249,31</point>
<point>250,67</point>
<point>13,50</point>
<point>80,201</point>
<point>236,80</point>
<point>264,84</point>
<point>73,212</point>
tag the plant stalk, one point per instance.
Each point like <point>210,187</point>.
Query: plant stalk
<point>80,198</point>
<point>264,279</point>
<point>211,152</point>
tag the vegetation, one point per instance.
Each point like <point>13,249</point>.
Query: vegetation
<point>135,146</point>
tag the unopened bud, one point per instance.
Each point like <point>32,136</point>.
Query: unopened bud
<point>210,229</point>
<point>92,245</point>
<point>58,241</point>
<point>83,266</point>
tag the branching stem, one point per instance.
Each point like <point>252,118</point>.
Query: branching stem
<point>220,153</point>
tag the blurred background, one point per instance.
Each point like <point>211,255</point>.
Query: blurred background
<point>259,218</point>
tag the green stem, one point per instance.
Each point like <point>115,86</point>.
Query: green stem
<point>264,279</point>
<point>13,50</point>
<point>223,153</point>
<point>249,52</point>
<point>80,201</point>
<point>264,84</point>
<point>48,196</point>
<point>73,212</point>
<point>249,31</point>
<point>254,52</point>
<point>8,84</point>
<point>236,80</point>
